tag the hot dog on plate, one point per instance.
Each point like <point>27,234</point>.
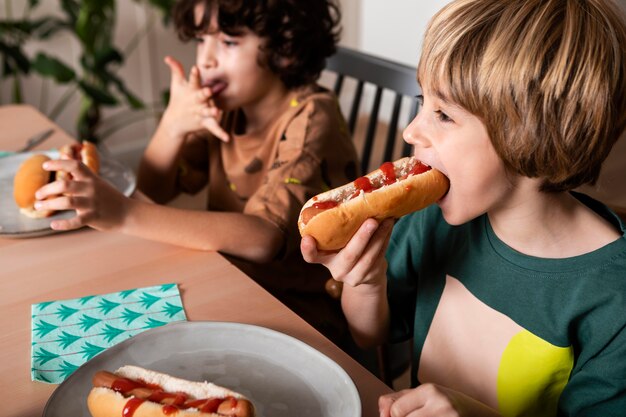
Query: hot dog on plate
<point>395,189</point>
<point>133,391</point>
<point>30,177</point>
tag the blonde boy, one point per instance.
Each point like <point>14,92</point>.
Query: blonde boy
<point>512,287</point>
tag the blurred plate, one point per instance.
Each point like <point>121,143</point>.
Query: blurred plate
<point>14,224</point>
<point>281,375</point>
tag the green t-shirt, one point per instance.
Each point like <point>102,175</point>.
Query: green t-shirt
<point>526,335</point>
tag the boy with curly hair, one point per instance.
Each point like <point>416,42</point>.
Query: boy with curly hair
<point>249,122</point>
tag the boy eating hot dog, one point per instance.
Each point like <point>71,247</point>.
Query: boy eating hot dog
<point>512,287</point>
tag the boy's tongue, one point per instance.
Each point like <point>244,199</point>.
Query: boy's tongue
<point>217,87</point>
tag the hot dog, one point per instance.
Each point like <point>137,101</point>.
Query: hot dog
<point>137,392</point>
<point>393,190</point>
<point>86,152</point>
<point>30,177</point>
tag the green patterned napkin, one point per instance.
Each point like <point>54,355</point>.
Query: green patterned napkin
<point>5,153</point>
<point>66,334</point>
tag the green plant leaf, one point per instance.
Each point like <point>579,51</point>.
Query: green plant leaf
<point>48,66</point>
<point>47,26</point>
<point>99,95</point>
<point>14,58</point>
<point>71,9</point>
<point>107,56</point>
<point>108,77</point>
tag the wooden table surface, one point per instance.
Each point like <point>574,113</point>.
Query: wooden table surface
<point>86,262</point>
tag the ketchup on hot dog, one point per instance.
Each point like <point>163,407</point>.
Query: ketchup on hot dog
<point>365,185</point>
<point>138,392</point>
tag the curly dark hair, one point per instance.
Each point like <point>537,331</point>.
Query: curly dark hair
<point>299,34</point>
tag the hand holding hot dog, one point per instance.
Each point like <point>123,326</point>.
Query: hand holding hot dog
<point>361,261</point>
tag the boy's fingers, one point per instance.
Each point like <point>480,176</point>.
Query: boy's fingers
<point>78,170</point>
<point>362,237</point>
<point>194,77</point>
<point>176,69</point>
<point>213,126</point>
<point>308,247</point>
<point>68,224</point>
<point>375,251</point>
<point>210,112</point>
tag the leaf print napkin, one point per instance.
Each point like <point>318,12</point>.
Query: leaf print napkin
<point>65,334</point>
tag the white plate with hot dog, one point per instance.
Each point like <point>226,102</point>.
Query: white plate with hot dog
<point>15,225</point>
<point>279,374</point>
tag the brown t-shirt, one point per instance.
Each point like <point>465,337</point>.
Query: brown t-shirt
<point>307,150</point>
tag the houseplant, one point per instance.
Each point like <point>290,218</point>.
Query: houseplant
<point>94,78</point>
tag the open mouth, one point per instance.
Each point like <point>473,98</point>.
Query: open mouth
<point>216,87</point>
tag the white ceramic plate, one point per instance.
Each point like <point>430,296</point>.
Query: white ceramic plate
<point>281,375</point>
<point>14,224</point>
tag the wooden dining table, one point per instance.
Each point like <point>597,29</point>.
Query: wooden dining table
<point>84,262</point>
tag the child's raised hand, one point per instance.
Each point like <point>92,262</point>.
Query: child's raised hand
<point>191,107</point>
<point>362,261</point>
<point>431,400</point>
<point>97,203</point>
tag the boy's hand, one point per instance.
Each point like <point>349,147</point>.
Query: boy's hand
<point>97,203</point>
<point>431,400</point>
<point>191,107</point>
<point>361,261</point>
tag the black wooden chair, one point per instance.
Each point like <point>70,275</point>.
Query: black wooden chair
<point>369,73</point>
<point>383,76</point>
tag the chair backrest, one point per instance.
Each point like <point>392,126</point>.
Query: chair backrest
<point>383,74</point>
<point>401,81</point>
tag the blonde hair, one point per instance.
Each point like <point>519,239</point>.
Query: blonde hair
<point>547,77</point>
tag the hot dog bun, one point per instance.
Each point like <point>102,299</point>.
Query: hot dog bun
<point>333,227</point>
<point>30,177</point>
<point>146,393</point>
<point>86,152</point>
